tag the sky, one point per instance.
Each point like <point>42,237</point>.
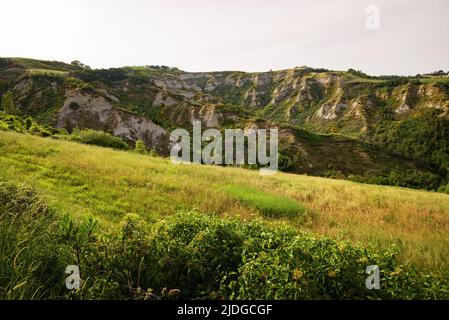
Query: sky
<point>407,36</point>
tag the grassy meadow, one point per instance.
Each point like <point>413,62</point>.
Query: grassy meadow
<point>108,184</point>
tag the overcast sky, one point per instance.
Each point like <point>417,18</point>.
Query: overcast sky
<point>249,35</point>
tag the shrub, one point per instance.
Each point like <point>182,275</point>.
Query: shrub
<point>423,136</point>
<point>211,257</point>
<point>99,138</point>
<point>74,105</point>
<point>8,104</point>
<point>444,189</point>
<point>303,266</point>
<point>30,267</point>
<point>193,252</point>
<point>11,122</point>
<point>29,125</point>
<point>153,152</point>
<point>140,147</point>
<point>410,179</point>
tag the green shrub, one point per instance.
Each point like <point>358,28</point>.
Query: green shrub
<point>268,204</point>
<point>30,266</point>
<point>74,105</point>
<point>153,152</point>
<point>99,138</point>
<point>306,267</point>
<point>444,189</point>
<point>409,179</point>
<point>211,257</point>
<point>8,104</point>
<point>140,147</point>
<point>423,136</point>
<point>193,252</point>
<point>29,125</point>
<point>11,122</point>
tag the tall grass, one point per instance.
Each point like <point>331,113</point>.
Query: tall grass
<point>270,205</point>
<point>29,267</point>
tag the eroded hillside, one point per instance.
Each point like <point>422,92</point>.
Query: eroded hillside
<point>331,123</point>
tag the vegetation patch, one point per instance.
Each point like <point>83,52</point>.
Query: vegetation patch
<point>29,125</point>
<point>87,136</point>
<point>29,264</point>
<point>99,138</point>
<point>409,179</point>
<point>83,180</point>
<point>188,256</point>
<point>269,205</point>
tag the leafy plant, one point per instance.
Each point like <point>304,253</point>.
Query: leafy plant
<point>140,147</point>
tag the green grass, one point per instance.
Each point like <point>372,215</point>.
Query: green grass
<point>28,257</point>
<point>33,64</point>
<point>435,80</point>
<point>270,205</point>
<point>47,72</point>
<point>87,180</point>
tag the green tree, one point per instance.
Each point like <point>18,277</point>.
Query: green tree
<point>79,65</point>
<point>8,104</point>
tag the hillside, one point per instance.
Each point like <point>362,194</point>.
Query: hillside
<point>332,123</point>
<point>87,180</point>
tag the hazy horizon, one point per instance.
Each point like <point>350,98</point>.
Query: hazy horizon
<point>202,36</point>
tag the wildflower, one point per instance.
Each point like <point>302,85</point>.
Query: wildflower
<point>297,274</point>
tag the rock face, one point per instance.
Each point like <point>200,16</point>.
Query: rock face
<point>330,112</point>
<point>319,100</point>
<point>94,111</point>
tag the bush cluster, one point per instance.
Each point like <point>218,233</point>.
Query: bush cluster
<point>87,136</point>
<point>422,137</point>
<point>409,179</point>
<point>97,137</point>
<point>28,125</point>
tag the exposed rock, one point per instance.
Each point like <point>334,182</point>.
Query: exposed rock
<point>402,108</point>
<point>108,95</point>
<point>95,112</point>
<point>210,86</point>
<point>329,111</point>
<point>207,115</point>
<point>161,99</point>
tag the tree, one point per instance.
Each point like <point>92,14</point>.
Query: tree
<point>79,65</point>
<point>8,104</point>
